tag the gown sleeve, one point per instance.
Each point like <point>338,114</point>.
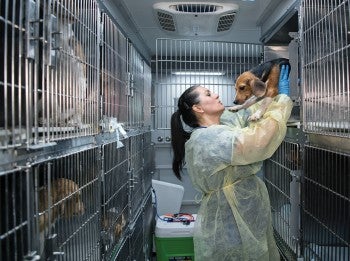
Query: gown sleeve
<point>259,140</point>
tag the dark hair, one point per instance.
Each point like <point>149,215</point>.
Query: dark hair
<point>178,135</point>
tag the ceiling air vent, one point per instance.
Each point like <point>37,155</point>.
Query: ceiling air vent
<point>225,22</point>
<point>166,21</point>
<point>195,18</point>
<point>195,8</point>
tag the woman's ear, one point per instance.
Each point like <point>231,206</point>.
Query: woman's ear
<point>197,108</point>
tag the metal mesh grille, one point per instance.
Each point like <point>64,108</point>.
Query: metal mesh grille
<point>280,172</point>
<point>166,21</point>
<point>12,74</point>
<point>123,252</point>
<point>326,58</point>
<point>73,207</point>
<point>113,74</point>
<point>16,233</point>
<point>65,93</point>
<point>326,205</point>
<point>225,22</point>
<point>197,61</point>
<point>52,207</point>
<point>115,187</point>
<point>136,88</point>
<point>136,238</point>
<point>49,79</point>
<point>136,172</point>
<point>148,162</point>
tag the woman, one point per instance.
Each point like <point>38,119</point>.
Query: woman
<point>234,218</point>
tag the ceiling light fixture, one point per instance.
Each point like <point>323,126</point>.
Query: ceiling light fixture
<point>198,73</point>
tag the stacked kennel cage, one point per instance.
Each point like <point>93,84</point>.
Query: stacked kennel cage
<point>325,56</point>
<point>75,136</point>
<point>308,177</point>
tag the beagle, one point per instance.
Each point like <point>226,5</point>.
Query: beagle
<point>64,199</point>
<point>261,82</point>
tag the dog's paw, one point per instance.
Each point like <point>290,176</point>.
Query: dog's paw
<point>255,116</point>
<point>235,108</point>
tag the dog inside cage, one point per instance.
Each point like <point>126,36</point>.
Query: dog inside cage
<point>65,83</point>
<point>115,208</point>
<point>49,208</point>
<point>48,74</point>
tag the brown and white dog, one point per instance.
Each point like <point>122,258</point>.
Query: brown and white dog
<point>256,84</point>
<point>63,201</point>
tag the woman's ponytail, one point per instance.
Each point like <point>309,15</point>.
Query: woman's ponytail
<point>179,136</point>
<point>178,139</point>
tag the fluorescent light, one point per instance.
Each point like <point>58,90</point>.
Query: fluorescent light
<point>198,73</point>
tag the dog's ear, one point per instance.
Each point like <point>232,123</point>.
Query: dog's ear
<point>258,87</point>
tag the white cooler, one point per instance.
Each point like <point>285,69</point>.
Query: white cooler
<point>173,240</point>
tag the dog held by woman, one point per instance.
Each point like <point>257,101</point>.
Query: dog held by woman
<point>259,83</point>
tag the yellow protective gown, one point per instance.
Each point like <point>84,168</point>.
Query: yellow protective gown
<point>234,218</point>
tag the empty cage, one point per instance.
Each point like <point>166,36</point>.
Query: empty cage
<point>325,58</point>
<point>325,50</point>
<point>114,78</point>
<point>282,178</point>
<point>326,205</point>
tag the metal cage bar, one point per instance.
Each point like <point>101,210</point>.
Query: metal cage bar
<point>136,88</point>
<point>282,175</point>
<point>52,207</point>
<point>136,172</point>
<point>12,74</point>
<point>115,201</point>
<point>325,45</point>
<point>63,71</point>
<point>67,210</point>
<point>114,77</point>
<point>137,238</point>
<point>17,208</point>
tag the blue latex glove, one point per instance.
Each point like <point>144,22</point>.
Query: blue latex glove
<point>283,84</point>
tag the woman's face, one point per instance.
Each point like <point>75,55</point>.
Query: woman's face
<point>209,102</point>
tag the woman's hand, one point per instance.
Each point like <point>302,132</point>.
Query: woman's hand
<point>283,84</point>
